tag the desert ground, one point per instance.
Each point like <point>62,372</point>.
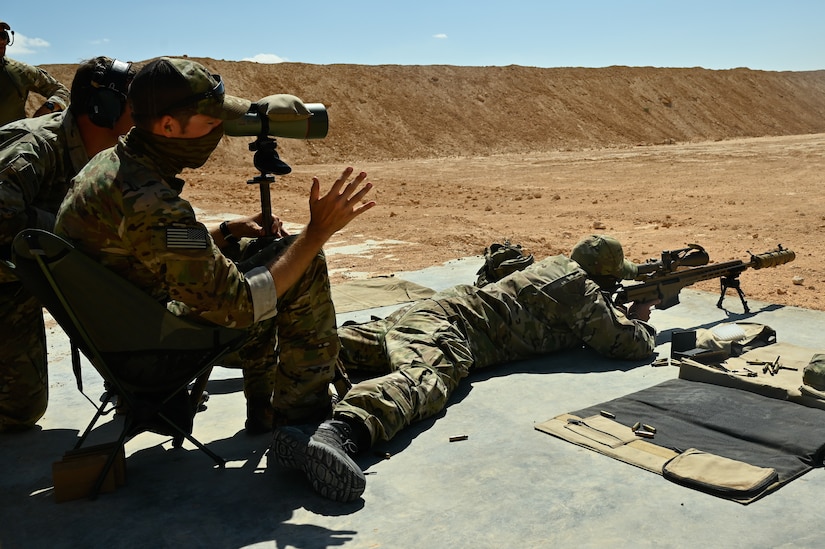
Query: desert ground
<point>465,156</point>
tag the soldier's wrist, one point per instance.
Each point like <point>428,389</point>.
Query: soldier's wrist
<point>227,234</point>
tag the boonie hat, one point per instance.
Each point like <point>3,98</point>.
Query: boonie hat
<point>602,255</point>
<point>195,88</point>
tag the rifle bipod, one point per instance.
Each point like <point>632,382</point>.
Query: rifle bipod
<point>732,282</point>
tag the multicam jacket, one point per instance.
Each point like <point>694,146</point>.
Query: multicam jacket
<point>124,213</point>
<point>17,80</point>
<point>38,158</point>
<point>549,306</point>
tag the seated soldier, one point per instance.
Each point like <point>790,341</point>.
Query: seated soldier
<point>125,210</point>
<point>422,351</point>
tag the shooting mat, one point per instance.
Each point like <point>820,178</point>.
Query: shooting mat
<point>735,444</point>
<point>359,295</point>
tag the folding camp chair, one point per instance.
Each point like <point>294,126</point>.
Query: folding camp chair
<point>146,355</point>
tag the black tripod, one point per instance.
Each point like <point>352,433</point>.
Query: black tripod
<point>269,164</point>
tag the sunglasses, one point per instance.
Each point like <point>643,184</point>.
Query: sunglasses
<point>217,93</point>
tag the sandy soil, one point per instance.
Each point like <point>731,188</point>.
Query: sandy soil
<point>465,156</point>
<point>732,197</point>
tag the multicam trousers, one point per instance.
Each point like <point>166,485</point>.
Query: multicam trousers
<point>419,355</point>
<point>24,384</point>
<point>291,357</point>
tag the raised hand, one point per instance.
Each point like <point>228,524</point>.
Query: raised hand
<point>342,203</point>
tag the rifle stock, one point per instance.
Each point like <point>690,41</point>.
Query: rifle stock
<point>664,283</point>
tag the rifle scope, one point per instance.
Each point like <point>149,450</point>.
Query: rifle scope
<point>692,256</point>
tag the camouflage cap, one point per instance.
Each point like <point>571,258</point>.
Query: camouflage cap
<point>602,255</point>
<point>193,86</point>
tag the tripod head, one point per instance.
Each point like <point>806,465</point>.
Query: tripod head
<point>266,158</point>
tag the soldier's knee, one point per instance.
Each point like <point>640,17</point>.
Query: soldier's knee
<point>21,416</point>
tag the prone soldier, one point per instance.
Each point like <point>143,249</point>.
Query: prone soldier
<point>421,352</point>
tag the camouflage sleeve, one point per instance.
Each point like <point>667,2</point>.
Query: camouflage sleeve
<point>25,163</point>
<point>600,325</point>
<point>165,237</point>
<point>49,87</point>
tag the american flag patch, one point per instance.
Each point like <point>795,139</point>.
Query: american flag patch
<point>187,238</point>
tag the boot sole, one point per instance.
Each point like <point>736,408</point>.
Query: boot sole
<point>331,473</point>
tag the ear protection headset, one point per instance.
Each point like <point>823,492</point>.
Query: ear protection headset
<point>107,98</point>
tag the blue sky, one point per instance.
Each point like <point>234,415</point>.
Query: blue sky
<point>715,34</point>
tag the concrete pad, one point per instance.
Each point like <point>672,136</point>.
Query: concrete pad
<point>506,485</point>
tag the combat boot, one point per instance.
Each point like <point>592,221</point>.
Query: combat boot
<point>324,456</point>
<point>260,415</point>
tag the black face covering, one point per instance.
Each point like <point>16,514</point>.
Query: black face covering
<point>606,282</point>
<point>173,154</point>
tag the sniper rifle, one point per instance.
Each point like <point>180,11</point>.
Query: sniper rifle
<point>663,279</point>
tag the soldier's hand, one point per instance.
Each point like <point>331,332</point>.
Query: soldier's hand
<point>641,311</point>
<point>343,203</point>
<point>252,226</point>
<point>276,229</point>
<point>46,108</point>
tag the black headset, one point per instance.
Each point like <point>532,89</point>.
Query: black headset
<point>107,98</point>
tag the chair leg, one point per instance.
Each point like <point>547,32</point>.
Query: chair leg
<point>100,412</point>
<point>198,388</point>
<point>127,427</point>
<point>121,441</point>
<point>219,461</point>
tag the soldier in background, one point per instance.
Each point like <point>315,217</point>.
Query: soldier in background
<point>18,79</point>
<point>38,158</point>
<point>422,351</point>
<point>283,299</point>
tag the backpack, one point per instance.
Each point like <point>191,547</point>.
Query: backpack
<point>500,260</point>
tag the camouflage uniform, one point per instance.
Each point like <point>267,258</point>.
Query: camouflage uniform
<point>422,351</point>
<point>39,156</point>
<point>17,80</point>
<point>125,210</point>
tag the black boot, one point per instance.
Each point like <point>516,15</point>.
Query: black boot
<point>260,415</point>
<point>324,456</point>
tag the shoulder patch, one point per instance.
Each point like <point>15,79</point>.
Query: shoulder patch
<point>187,238</point>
